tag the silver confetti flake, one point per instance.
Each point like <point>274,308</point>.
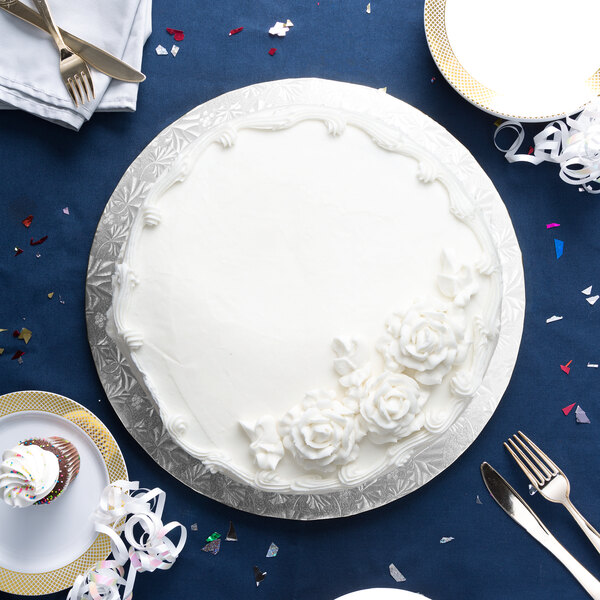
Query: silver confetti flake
<point>396,574</point>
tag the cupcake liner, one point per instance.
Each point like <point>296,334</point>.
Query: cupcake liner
<point>68,463</point>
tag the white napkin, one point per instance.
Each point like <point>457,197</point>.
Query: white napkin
<point>29,74</point>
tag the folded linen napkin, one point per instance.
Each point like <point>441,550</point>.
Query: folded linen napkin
<point>29,74</point>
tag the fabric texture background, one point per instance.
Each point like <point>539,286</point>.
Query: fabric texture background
<point>44,168</point>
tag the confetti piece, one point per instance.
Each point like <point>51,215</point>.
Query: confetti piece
<point>212,547</point>
<point>273,550</point>
<point>383,90</point>
<point>580,415</point>
<point>1,330</point>
<point>553,318</point>
<point>60,299</point>
<point>20,360</point>
<point>498,122</point>
<point>231,534</point>
<point>279,29</point>
<point>259,575</point>
<point>194,526</point>
<point>40,241</point>
<point>432,80</point>
<point>566,367</point>
<point>16,333</point>
<point>236,30</point>
<point>17,354</point>
<point>25,335</point>
<point>272,51</point>
<point>27,220</point>
<point>213,536</point>
<point>177,34</point>
<point>66,210</point>
<point>551,225</point>
<point>51,295</point>
<point>587,291</point>
<point>1,351</point>
<point>174,50</point>
<point>18,251</point>
<point>396,574</point>
<point>478,500</point>
<point>532,490</point>
<point>592,365</point>
<point>369,8</point>
<point>567,409</point>
<point>161,50</point>
<point>559,247</point>
<point>593,299</point>
<point>288,23</point>
<point>445,540</point>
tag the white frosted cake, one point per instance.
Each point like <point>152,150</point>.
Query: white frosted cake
<point>309,297</point>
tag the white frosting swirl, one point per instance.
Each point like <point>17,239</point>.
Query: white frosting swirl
<point>321,433</point>
<point>266,443</point>
<point>27,474</point>
<point>428,340</point>
<point>391,407</point>
<point>456,281</point>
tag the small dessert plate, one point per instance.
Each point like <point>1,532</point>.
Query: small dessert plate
<point>44,548</point>
<point>382,594</point>
<point>518,60</point>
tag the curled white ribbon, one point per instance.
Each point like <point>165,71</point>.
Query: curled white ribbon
<point>148,551</point>
<point>574,144</point>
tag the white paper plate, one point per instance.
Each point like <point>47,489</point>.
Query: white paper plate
<point>382,594</point>
<point>533,61</point>
<point>43,548</point>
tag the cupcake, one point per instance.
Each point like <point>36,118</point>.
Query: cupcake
<point>37,471</point>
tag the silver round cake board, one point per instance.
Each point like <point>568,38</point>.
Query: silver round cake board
<point>137,410</point>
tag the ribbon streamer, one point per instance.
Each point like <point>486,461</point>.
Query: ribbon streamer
<point>573,144</point>
<point>150,550</point>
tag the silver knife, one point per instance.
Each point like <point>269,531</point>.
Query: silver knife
<point>514,506</point>
<point>99,59</point>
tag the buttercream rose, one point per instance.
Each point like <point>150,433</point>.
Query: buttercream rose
<point>321,432</point>
<point>425,339</point>
<point>391,407</point>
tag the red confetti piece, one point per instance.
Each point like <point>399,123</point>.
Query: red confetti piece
<point>27,221</point>
<point>272,51</point>
<point>17,354</point>
<point>567,409</point>
<point>16,333</point>
<point>530,151</point>
<point>236,30</point>
<point>566,367</point>
<point>177,34</point>
<point>18,251</point>
<point>40,241</point>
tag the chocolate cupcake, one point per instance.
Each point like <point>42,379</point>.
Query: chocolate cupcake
<point>37,471</point>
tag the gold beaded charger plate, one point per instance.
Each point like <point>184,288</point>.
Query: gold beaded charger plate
<point>136,408</point>
<point>507,59</point>
<point>44,548</point>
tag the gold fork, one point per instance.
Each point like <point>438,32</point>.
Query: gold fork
<point>74,71</point>
<point>547,478</point>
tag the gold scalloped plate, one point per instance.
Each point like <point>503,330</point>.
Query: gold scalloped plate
<point>509,59</point>
<point>37,413</point>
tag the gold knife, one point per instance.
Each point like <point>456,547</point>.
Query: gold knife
<point>99,59</point>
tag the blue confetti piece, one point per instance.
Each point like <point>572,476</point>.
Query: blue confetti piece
<point>559,246</point>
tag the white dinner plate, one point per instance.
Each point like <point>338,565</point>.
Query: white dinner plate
<point>43,548</point>
<point>533,61</point>
<point>382,594</point>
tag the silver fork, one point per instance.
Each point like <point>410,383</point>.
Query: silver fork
<point>74,71</point>
<point>547,478</point>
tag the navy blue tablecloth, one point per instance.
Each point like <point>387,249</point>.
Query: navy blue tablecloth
<point>44,168</point>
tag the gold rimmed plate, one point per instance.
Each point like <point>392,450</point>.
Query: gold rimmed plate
<point>43,548</point>
<point>518,60</point>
